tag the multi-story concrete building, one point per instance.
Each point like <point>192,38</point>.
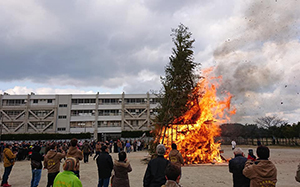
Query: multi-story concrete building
<point>103,115</point>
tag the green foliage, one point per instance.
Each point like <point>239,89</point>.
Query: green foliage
<point>44,136</point>
<point>179,80</point>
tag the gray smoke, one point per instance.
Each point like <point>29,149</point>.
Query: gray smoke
<point>255,63</point>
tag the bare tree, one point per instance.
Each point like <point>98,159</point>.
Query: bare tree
<point>270,121</point>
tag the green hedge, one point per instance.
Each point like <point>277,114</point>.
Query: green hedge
<point>134,134</point>
<point>45,136</point>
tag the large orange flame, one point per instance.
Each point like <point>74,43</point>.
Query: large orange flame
<point>194,132</point>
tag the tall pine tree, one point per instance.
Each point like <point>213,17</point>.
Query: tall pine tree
<point>179,80</point>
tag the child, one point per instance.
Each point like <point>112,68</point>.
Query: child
<point>121,168</point>
<point>251,156</point>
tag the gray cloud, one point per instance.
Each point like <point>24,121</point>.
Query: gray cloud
<point>116,44</point>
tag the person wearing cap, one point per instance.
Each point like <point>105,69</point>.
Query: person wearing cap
<point>236,166</point>
<point>262,172</point>
<point>8,161</point>
<point>155,172</point>
<point>67,178</point>
<point>105,166</point>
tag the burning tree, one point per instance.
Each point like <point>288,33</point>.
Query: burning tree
<point>179,81</point>
<point>190,112</point>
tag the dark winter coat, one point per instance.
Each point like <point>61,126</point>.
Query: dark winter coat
<point>121,170</point>
<point>105,165</point>
<point>37,157</point>
<point>236,166</point>
<point>155,173</point>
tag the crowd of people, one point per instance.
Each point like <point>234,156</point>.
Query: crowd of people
<point>48,155</point>
<point>161,172</point>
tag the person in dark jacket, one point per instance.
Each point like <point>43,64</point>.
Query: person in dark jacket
<point>86,149</point>
<point>105,166</point>
<point>236,166</point>
<point>36,166</point>
<point>155,172</point>
<point>121,168</point>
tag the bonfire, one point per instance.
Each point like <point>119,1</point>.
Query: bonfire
<point>195,131</point>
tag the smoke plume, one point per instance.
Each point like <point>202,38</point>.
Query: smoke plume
<point>258,65</point>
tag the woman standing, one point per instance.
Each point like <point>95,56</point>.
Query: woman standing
<point>121,168</point>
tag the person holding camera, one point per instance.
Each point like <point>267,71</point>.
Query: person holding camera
<point>262,172</point>
<point>52,162</point>
<point>9,161</point>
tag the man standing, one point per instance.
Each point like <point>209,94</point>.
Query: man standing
<point>105,166</point>
<point>36,166</point>
<point>75,153</point>
<point>175,156</point>
<point>236,166</point>
<point>52,163</point>
<point>9,161</point>
<point>155,172</point>
<point>262,172</point>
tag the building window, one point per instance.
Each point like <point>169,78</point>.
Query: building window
<point>35,101</point>
<point>82,113</point>
<point>61,129</point>
<point>62,117</point>
<point>49,101</point>
<point>83,101</point>
<point>63,105</point>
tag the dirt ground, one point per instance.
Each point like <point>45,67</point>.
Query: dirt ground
<point>285,159</point>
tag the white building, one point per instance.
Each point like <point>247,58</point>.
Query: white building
<point>103,115</point>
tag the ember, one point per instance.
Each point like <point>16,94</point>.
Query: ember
<point>194,132</point>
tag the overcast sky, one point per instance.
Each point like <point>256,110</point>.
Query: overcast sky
<point>50,47</point>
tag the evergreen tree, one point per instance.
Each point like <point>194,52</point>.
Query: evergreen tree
<point>180,79</point>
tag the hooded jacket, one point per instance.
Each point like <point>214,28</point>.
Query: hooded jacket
<point>175,157</point>
<point>66,179</point>
<point>261,173</point>
<point>121,170</point>
<point>171,183</point>
<point>7,156</point>
<point>37,156</point>
<point>75,153</point>
<point>52,161</point>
